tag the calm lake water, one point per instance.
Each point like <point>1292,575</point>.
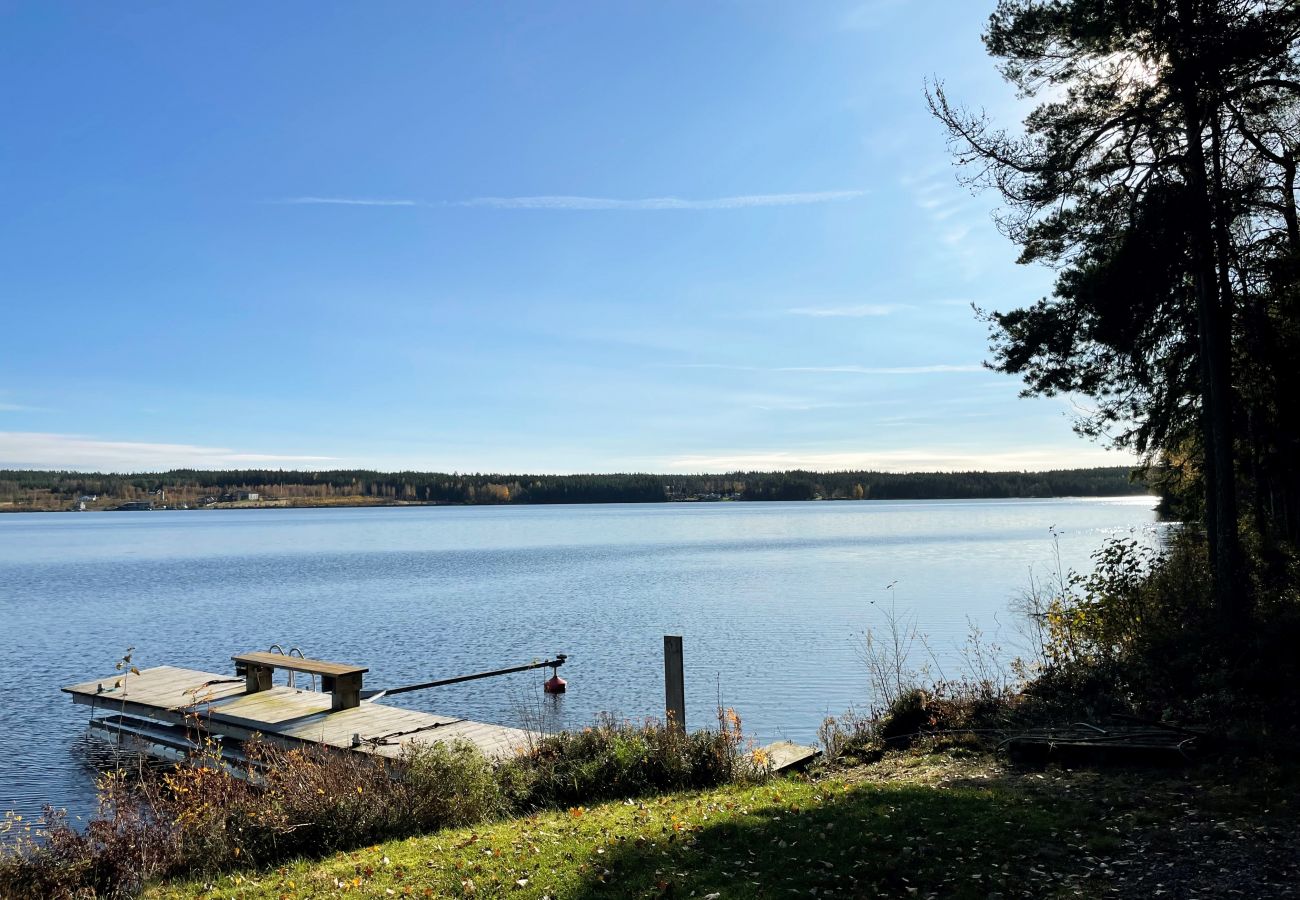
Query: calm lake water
<point>771,598</point>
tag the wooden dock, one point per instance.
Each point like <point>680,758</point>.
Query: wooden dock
<point>163,707</point>
<point>169,712</point>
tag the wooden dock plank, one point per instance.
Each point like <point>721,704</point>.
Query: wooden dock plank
<point>370,721</point>
<point>164,686</point>
<point>270,708</point>
<point>154,685</point>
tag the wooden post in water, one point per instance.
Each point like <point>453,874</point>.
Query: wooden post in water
<point>674,682</point>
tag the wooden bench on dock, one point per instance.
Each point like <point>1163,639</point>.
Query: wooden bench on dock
<point>342,680</point>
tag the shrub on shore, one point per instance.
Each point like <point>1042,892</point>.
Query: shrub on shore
<point>204,818</point>
<point>619,759</point>
<point>946,712</point>
<point>1140,634</point>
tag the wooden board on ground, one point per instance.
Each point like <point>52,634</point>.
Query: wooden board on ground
<point>784,755</point>
<point>1086,744</point>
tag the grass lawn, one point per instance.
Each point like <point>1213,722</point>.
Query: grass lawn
<point>914,825</point>
<point>933,826</point>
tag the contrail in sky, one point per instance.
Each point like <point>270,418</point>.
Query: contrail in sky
<point>567,202</point>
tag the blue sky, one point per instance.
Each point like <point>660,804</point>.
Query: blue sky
<point>544,237</point>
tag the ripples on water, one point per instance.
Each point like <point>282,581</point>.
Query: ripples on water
<point>771,598</point>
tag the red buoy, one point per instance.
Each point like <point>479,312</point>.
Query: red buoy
<point>554,685</point>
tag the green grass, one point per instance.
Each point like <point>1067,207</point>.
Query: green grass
<point>937,830</point>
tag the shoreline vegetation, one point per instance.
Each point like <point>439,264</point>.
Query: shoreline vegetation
<point>24,490</point>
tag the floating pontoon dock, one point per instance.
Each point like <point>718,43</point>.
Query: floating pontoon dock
<point>167,711</point>
<point>171,713</point>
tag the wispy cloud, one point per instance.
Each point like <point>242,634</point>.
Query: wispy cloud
<point>933,369</point>
<point>941,208</point>
<point>565,202</point>
<point>796,405</point>
<point>345,201</point>
<point>42,450</point>
<point>848,312</point>
<point>955,235</point>
<point>959,222</point>
<point>871,14</point>
<point>920,459</point>
<point>9,406</point>
<point>744,201</point>
<point>885,370</point>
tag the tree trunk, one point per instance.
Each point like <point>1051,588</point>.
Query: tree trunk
<point>1213,344</point>
<point>1288,204</point>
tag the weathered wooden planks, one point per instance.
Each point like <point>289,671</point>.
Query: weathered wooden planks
<point>284,715</point>
<point>163,686</point>
<point>298,664</point>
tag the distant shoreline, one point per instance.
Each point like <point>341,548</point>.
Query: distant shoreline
<point>395,504</point>
<point>51,491</point>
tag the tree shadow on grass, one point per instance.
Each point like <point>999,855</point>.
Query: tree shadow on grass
<point>855,841</point>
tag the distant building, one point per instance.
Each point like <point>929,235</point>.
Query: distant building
<point>249,495</point>
<point>88,498</point>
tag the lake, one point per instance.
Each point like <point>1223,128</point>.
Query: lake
<point>772,600</point>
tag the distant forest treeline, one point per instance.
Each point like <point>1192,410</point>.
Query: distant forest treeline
<point>44,489</point>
